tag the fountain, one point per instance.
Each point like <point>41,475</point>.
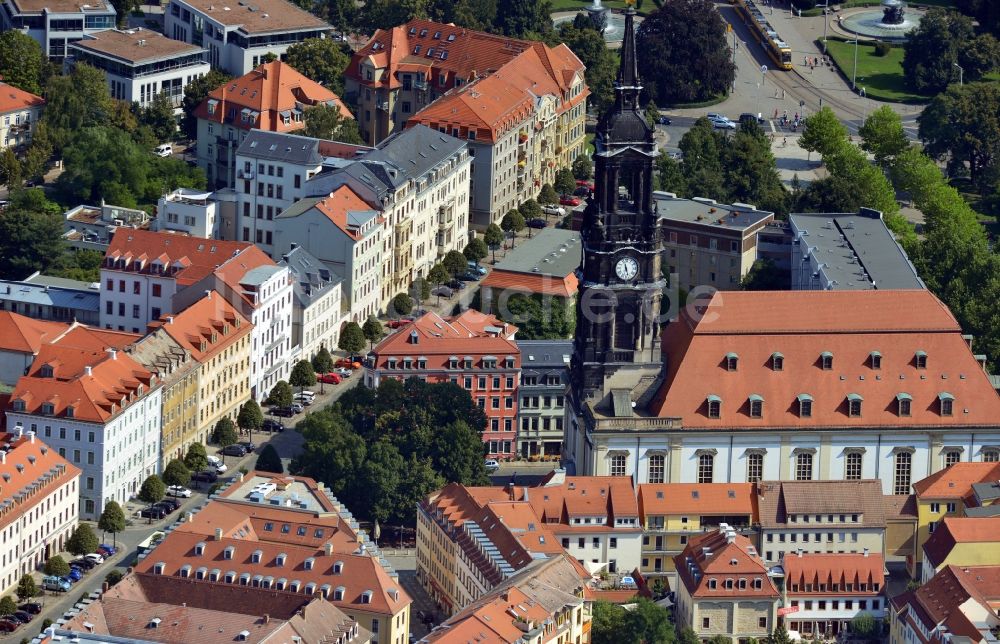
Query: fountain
<point>598,15</point>
<point>610,24</point>
<point>890,23</point>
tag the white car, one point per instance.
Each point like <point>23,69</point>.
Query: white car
<point>179,491</point>
<point>553,209</point>
<point>214,460</point>
<point>492,465</point>
<point>221,468</point>
<point>723,123</point>
<point>344,371</point>
<point>96,558</point>
<point>164,150</point>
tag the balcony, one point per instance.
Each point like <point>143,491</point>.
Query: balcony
<point>383,105</point>
<point>420,85</point>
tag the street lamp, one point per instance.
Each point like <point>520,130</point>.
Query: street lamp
<point>854,76</point>
<point>961,73</point>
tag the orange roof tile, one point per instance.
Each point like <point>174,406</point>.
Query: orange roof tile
<point>611,497</point>
<point>717,558</point>
<point>186,259</point>
<point>438,339</point>
<point>13,99</point>
<point>955,482</point>
<point>938,604</point>
<point>268,91</point>
<point>528,283</point>
<point>29,461</point>
<point>955,530</point>
<point>338,204</point>
<point>801,326</point>
<point>834,568</point>
<point>26,335</point>
<point>705,499</point>
<point>210,317</point>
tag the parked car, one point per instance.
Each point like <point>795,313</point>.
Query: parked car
<point>74,575</point>
<point>70,579</point>
<point>305,396</point>
<point>535,223</point>
<point>180,490</point>
<point>569,200</point>
<point>31,607</point>
<point>330,379</point>
<point>221,468</point>
<point>477,268</point>
<point>272,425</point>
<point>233,450</point>
<point>104,547</point>
<point>442,291</point>
<point>84,563</point>
<point>23,616</point>
<point>164,150</point>
<point>470,276</point>
<point>492,465</point>
<point>552,209</point>
<point>153,512</point>
<point>723,123</point>
<point>582,191</point>
<point>393,324</point>
<point>10,625</point>
<point>663,120</point>
<point>456,285</point>
<point>95,557</point>
<point>205,476</point>
<point>287,412</point>
<point>747,117</point>
<point>344,373</point>
<point>55,583</point>
<point>348,363</point>
<point>298,408</point>
<point>249,446</point>
<point>170,505</point>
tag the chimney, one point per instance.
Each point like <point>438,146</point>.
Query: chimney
<point>104,587</point>
<point>170,319</point>
<point>208,294</point>
<point>190,517</point>
<point>328,548</point>
<point>866,552</point>
<point>3,456</point>
<point>267,618</point>
<point>800,552</point>
<point>218,534</point>
<point>31,436</point>
<point>112,353</point>
<point>88,370</point>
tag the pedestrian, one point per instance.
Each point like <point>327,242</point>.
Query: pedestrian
<point>796,117</point>
<point>782,94</point>
<point>784,142</point>
<point>776,109</point>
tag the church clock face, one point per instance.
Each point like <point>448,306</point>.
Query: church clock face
<point>626,268</point>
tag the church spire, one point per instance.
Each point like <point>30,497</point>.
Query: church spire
<point>628,71</point>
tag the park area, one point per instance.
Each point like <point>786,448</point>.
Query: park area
<point>881,76</point>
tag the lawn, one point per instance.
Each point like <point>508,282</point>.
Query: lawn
<point>881,76</point>
<point>578,5</point>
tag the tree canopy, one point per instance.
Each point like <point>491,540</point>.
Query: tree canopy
<point>112,518</point>
<point>82,541</point>
<point>176,473</point>
<point>944,39</point>
<point>250,418</point>
<point>882,135</point>
<point>589,46</point>
<point>962,124</point>
<point>56,566</point>
<point>685,54</point>
<point>26,587</point>
<point>196,458</point>
<point>476,250</point>
<point>224,432</point>
<point>153,489</point>
<point>281,394</point>
<point>21,61</point>
<point>194,93</point>
<point>565,182</point>
<point>269,461</point>
<point>323,60</point>
<point>30,236</point>
<point>302,375</point>
<point>352,338</point>
<point>645,623</point>
<point>322,362</point>
<point>455,263</point>
<point>539,317</point>
<point>326,122</point>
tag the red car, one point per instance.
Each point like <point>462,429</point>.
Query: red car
<point>330,378</point>
<point>569,200</point>
<point>396,324</point>
<point>584,183</point>
<point>347,364</point>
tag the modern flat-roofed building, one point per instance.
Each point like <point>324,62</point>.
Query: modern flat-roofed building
<point>848,251</point>
<point>192,212</point>
<point>20,111</point>
<point>56,23</point>
<point>92,227</point>
<point>238,35</point>
<point>541,411</point>
<point>52,298</point>
<point>141,63</point>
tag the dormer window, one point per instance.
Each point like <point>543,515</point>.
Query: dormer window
<point>338,594</point>
<point>48,409</point>
<point>854,405</point>
<point>338,567</point>
<point>453,362</point>
<point>805,406</point>
<point>714,406</point>
<point>920,360</point>
<point>366,597</point>
<point>732,361</point>
<point>255,557</point>
<point>309,563</point>
<point>45,371</point>
<point>69,412</point>
<point>756,406</point>
<point>777,361</point>
<point>228,552</point>
<point>712,584</point>
<point>875,360</point>
<point>826,360</point>
<point>391,363</point>
<point>946,403</point>
<point>903,401</point>
<point>19,405</point>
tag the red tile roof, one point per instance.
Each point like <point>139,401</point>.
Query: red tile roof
<point>499,279</point>
<point>714,557</point>
<point>267,91</point>
<point>339,204</point>
<point>13,99</point>
<point>26,335</point>
<point>832,569</point>
<point>704,499</point>
<point>801,326</point>
<point>939,602</point>
<point>471,333</point>
<point>28,462</point>
<point>612,497</point>
<point>955,530</point>
<point>186,259</point>
<point>955,482</point>
<point>207,327</point>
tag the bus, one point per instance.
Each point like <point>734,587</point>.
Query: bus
<point>776,48</point>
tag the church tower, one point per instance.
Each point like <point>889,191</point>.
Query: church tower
<point>617,346</point>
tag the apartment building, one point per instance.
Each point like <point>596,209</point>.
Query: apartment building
<point>190,212</point>
<point>271,96</point>
<point>964,541</point>
<point>820,517</point>
<point>140,63</point>
<point>822,593</point>
<point>21,338</point>
<point>546,602</point>
<point>345,233</point>
<point>56,23</point>
<point>238,36</point>
<point>19,113</point>
<point>218,338</point>
<point>957,605</point>
<point>98,408</point>
<point>541,407</point>
<point>673,513</point>
<point>178,372</point>
<point>317,304</point>
<point>709,244</point>
<point>39,504</point>
<point>52,298</point>
<point>724,588</point>
<point>92,227</point>
<point>472,350</point>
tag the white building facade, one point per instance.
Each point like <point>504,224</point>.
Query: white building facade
<point>20,112</point>
<point>192,212</point>
<point>55,23</point>
<point>317,312</point>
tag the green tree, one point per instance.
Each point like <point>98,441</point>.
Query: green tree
<point>11,173</point>
<point>943,39</point>
<point>961,124</point>
<point>823,132</point>
<point>153,490</point>
<point>764,275</point>
<point>324,60</point>
<point>56,566</point>
<point>113,577</point>
<point>82,541</point>
<point>779,636</point>
<point>21,61</point>
<point>322,361</point>
<point>669,175</point>
<point>327,122</point>
<point>386,14</point>
<point>302,375</point>
<point>548,195</point>
<point>176,473</point>
<point>524,18</point>
<point>583,168</point>
<point>26,587</point>
<point>112,519</point>
<point>29,241</point>
<point>75,102</point>
<point>647,622</point>
<point>7,605</point>
<point>196,458</point>
<point>224,432</point>
<point>36,158</point>
<point>564,183</point>
<point>250,418</point>
<point>751,172</point>
<point>540,317</point>
<point>332,452</point>
<point>702,148</point>
<point>438,274</point>
<point>512,223</point>
<point>280,395</point>
<point>381,473</point>
<point>158,116</point>
<point>607,624</point>
<point>352,339</point>
<point>81,265</point>
<point>373,329</point>
<point>479,15</point>
<point>194,94</point>
<point>688,636</point>
<point>420,290</point>
<point>865,625</point>
<point>342,14</point>
<point>123,8</point>
<point>455,263</point>
<point>590,47</point>
<point>684,41</point>
<point>493,237</point>
<point>269,461</point>
<point>401,304</point>
<point>476,250</point>
<point>882,135</point>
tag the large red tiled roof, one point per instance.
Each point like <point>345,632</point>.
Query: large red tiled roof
<point>704,499</point>
<point>186,259</point>
<point>955,482</point>
<point>26,335</point>
<point>13,99</point>
<point>499,279</point>
<point>940,601</point>
<point>803,325</point>
<point>207,327</point>
<point>612,497</point>
<point>717,557</point>
<point>268,91</point>
<point>28,461</point>
<point>955,530</point>
<point>834,569</point>
<point>471,333</point>
<point>339,204</point>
